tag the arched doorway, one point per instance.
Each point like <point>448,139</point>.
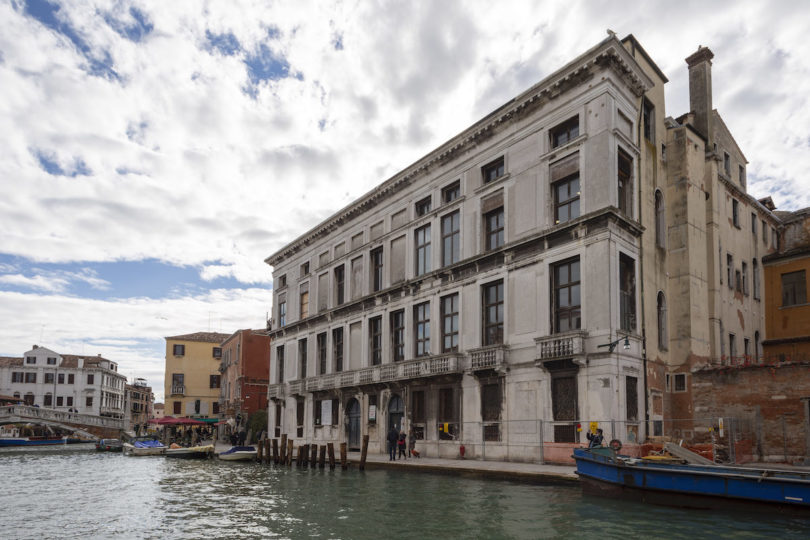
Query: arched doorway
<point>353,414</point>
<point>396,410</point>
<point>29,398</point>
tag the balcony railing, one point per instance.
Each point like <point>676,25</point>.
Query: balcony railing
<point>178,389</point>
<point>560,346</point>
<point>275,391</point>
<point>487,358</point>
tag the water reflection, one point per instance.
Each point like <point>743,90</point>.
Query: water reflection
<point>88,495</point>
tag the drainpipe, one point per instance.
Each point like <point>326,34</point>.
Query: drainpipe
<point>641,280</point>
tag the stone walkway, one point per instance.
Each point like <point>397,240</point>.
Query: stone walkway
<point>533,472</point>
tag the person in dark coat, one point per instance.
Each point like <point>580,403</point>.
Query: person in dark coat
<point>393,438</point>
<point>595,440</point>
<point>401,445</point>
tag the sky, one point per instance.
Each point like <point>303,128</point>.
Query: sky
<point>155,153</point>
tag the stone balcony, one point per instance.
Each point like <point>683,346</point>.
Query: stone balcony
<point>491,357</point>
<point>559,346</point>
<point>178,390</point>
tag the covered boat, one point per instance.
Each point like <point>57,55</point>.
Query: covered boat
<point>109,445</point>
<point>239,453</point>
<point>144,446</point>
<point>190,452</point>
<point>673,481</point>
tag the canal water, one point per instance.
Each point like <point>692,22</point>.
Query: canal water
<point>70,494</point>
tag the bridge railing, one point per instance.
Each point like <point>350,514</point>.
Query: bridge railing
<point>27,413</point>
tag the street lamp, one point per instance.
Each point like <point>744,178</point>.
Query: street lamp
<point>613,344</point>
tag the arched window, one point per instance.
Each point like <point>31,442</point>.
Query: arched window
<point>660,224</point>
<point>757,356</point>
<point>662,321</point>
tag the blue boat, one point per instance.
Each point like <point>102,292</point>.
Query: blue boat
<point>690,485</point>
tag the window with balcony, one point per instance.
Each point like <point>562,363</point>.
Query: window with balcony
<point>421,317</point>
<point>280,363</point>
<point>494,229</point>
<point>449,309</point>
<point>375,340</point>
<point>627,292</point>
<point>422,240</point>
<point>178,350</point>
<point>321,340</point>
<point>492,170</point>
<point>451,192</point>
<point>302,358</point>
<point>398,335</point>
<point>178,383</point>
<point>377,269</point>
<point>340,285</point>
<point>337,348</point>
<point>492,301</point>
<point>565,132</point>
<point>566,308</point>
<point>451,238</point>
<point>794,288</point>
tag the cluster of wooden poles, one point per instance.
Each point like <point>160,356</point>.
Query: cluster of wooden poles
<point>307,455</point>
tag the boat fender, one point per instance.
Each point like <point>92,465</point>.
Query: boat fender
<point>616,444</point>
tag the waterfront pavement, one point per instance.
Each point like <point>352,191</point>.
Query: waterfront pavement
<point>531,472</point>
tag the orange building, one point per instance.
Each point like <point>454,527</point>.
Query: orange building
<point>787,275</point>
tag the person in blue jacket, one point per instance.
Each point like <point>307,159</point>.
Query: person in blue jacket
<point>595,439</point>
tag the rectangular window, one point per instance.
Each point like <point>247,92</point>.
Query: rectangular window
<point>753,224</point>
<point>69,401</point>
<point>742,176</point>
<point>213,381</point>
<point>321,353</point>
<point>774,239</point>
<point>176,408</point>
<point>280,363</point>
<point>745,278</point>
<point>91,378</point>
<point>423,206</point>
<point>493,170</point>
<point>282,281</point>
<point>337,348</point>
<point>340,285</point>
<point>71,378</point>
<point>88,401</point>
<point>49,377</point>
<point>794,288</point>
<point>737,281</point>
<point>566,296</point>
<point>755,279</point>
<point>565,132</point>
<point>493,313</point>
<point>727,164</point>
<point>631,394</point>
<point>377,269</point>
<point>451,238</point>
<point>30,359</point>
<point>730,270</point>
<point>59,401</point>
<point>305,269</point>
<point>282,314</point>
<point>735,212</point>
<point>648,119</point>
<point>732,347</point>
<point>422,240</point>
<point>494,229</point>
<point>449,308</point>
<point>302,358</point>
<point>421,318</point>
<point>451,192</point>
<point>48,402</point>
<point>51,361</point>
<point>398,335</point>
<point>747,348</point>
<point>625,183</point>
<point>217,352</point>
<point>566,199</point>
<point>16,376</point>
<point>627,284</point>
<point>178,350</point>
<point>375,340</point>
<point>680,382</point>
<point>491,410</point>
<point>418,406</point>
<point>60,378</point>
<point>304,301</point>
<point>215,407</point>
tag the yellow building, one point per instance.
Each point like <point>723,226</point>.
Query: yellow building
<point>192,377</point>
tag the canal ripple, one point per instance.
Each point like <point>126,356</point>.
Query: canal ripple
<point>64,494</point>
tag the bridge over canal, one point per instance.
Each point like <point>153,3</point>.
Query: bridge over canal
<point>86,425</point>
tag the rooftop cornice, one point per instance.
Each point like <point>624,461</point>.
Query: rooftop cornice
<point>609,53</point>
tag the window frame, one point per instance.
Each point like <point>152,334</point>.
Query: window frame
<point>340,284</point>
<point>397,325</point>
<point>451,238</point>
<point>451,192</point>
<point>321,340</point>
<point>338,348</point>
<point>564,132</point>
<point>628,314</point>
<point>422,248</point>
<point>794,291</point>
<point>570,201</point>
<point>377,265</point>
<point>303,358</point>
<point>424,206</point>
<point>492,329</point>
<point>421,326</point>
<point>449,308</point>
<point>178,347</point>
<point>493,170</point>
<point>570,311</point>
<point>494,229</point>
<point>375,332</point>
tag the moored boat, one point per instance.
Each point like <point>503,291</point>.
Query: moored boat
<point>109,445</point>
<point>672,481</point>
<point>239,453</point>
<point>190,452</point>
<point>144,446</point>
<point>38,441</point>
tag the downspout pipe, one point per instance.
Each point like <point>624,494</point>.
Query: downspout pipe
<point>641,280</point>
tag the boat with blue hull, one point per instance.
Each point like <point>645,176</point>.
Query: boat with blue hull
<point>674,482</point>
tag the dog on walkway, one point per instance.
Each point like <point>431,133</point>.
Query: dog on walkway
<point>415,453</point>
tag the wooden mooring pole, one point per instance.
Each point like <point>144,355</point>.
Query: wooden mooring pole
<point>275,451</point>
<point>330,447</point>
<point>260,451</point>
<point>284,449</point>
<point>363,453</point>
<point>313,455</point>
<point>289,452</point>
<point>322,457</point>
<point>266,451</point>
<point>343,462</point>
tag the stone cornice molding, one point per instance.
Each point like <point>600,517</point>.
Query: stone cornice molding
<point>609,54</point>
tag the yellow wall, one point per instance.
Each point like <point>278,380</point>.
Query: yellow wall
<point>785,322</point>
<point>197,364</point>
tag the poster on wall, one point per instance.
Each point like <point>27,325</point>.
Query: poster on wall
<point>372,413</point>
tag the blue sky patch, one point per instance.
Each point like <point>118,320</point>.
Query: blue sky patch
<point>52,167</point>
<point>100,63</point>
<point>226,44</point>
<point>265,65</point>
<point>133,31</point>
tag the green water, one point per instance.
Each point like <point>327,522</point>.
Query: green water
<point>89,495</point>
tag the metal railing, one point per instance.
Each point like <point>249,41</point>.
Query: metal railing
<point>487,357</point>
<point>560,346</point>
<point>178,389</point>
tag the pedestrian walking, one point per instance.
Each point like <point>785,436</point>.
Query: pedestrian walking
<point>393,438</point>
<point>401,445</point>
<point>411,442</point>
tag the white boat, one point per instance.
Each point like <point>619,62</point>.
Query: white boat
<point>239,453</point>
<point>144,446</point>
<point>191,452</point>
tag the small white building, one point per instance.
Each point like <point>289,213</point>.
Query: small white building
<point>87,384</point>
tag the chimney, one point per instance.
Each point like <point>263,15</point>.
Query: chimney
<point>35,347</point>
<point>700,92</point>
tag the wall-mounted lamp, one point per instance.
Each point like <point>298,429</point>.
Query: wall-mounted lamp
<point>612,345</point>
